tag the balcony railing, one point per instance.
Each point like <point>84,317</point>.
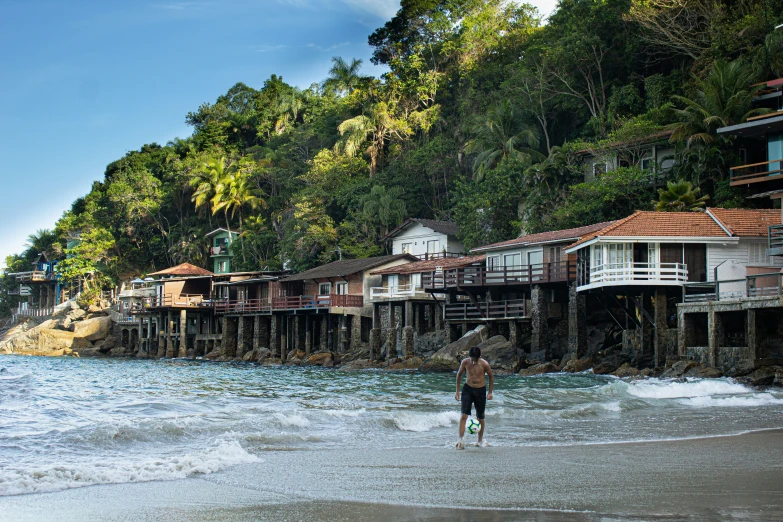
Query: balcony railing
<point>172,301</point>
<point>637,273</point>
<point>775,236</point>
<point>244,306</point>
<point>475,276</point>
<point>493,310</point>
<point>758,285</point>
<point>765,285</point>
<point>35,276</point>
<point>303,302</point>
<point>438,255</point>
<point>381,292</point>
<point>756,172</point>
<point>35,312</point>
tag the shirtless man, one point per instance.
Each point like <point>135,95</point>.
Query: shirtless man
<point>474,392</point>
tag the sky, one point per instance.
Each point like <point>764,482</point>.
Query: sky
<point>85,81</point>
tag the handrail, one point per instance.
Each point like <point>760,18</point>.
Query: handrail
<point>558,271</point>
<point>755,164</point>
<point>754,290</point>
<point>514,308</point>
<point>297,302</point>
<point>637,271</point>
<point>391,291</point>
<point>226,306</point>
<point>738,174</point>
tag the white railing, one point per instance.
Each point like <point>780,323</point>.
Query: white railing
<point>35,312</point>
<point>137,292</point>
<point>653,273</point>
<point>380,292</point>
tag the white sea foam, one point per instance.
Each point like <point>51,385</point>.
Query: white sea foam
<point>760,399</point>
<point>344,413</point>
<point>14,481</point>
<point>407,421</point>
<point>611,406</point>
<point>655,389</point>
<point>292,419</point>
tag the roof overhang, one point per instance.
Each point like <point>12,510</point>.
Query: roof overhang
<point>755,127</point>
<point>512,246</point>
<point>653,239</point>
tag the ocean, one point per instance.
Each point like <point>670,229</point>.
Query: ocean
<point>68,422</point>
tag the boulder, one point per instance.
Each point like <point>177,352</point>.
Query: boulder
<point>110,342</point>
<point>448,358</point>
<point>93,329</point>
<point>411,363</point>
<point>679,369</point>
<point>320,359</point>
<point>761,377</point>
<point>214,354</point>
<point>610,363</point>
<point>626,370</point>
<point>704,372</point>
<point>95,309</point>
<point>64,309</point>
<point>538,369</point>
<point>578,365</point>
<point>500,353</point>
<point>272,361</point>
<point>357,364</point>
<point>76,314</point>
<point>59,342</point>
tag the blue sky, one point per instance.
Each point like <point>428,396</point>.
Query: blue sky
<point>84,82</point>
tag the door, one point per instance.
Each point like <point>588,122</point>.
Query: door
<point>535,260</point>
<point>696,261</point>
<point>774,153</point>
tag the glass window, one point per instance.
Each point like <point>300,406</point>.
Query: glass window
<point>758,254</point>
<point>597,256</point>
<point>555,254</point>
<point>599,168</point>
<point>416,280</point>
<point>512,260</point>
<point>324,288</point>
<point>341,288</point>
<point>652,254</point>
<point>407,248</point>
<point>647,164</point>
<point>493,262</point>
<point>221,266</point>
<point>433,246</point>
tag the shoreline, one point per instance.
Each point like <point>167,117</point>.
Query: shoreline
<point>717,477</point>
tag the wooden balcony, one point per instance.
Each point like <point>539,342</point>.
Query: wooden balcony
<point>756,173</point>
<point>438,255</point>
<point>309,302</point>
<point>775,237</point>
<point>635,274</point>
<point>245,306</point>
<point>466,311</point>
<point>158,302</point>
<point>35,276</point>
<point>478,276</point>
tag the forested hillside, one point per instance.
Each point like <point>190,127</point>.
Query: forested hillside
<point>479,119</point>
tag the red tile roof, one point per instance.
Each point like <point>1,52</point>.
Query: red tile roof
<point>431,264</point>
<point>738,222</point>
<point>566,235</point>
<point>744,222</point>
<point>185,269</point>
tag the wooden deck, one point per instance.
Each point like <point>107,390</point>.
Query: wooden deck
<point>512,309</point>
<point>478,276</point>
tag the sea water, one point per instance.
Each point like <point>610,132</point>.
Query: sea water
<point>67,422</point>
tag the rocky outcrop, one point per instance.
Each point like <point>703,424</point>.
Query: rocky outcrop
<point>93,329</point>
<point>762,376</point>
<point>626,370</point>
<point>500,354</point>
<point>574,365</point>
<point>448,358</point>
<point>411,363</point>
<point>540,368</point>
<point>324,359</point>
<point>678,369</point>
<point>610,363</point>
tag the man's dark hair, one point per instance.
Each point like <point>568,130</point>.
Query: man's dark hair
<point>474,353</point>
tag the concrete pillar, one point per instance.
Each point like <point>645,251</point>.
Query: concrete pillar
<point>300,333</point>
<point>263,334</point>
<point>420,320</point>
<point>284,339</point>
<point>407,341</point>
<point>376,315</point>
<point>242,335</point>
<point>140,347</point>
<point>514,337</point>
<point>308,334</point>
<point>751,336</point>
<point>274,335</point>
<point>391,334</point>
<point>376,341</point>
<point>342,335</point>
<point>169,337</point>
<point>539,314</point>
<point>659,353</point>
<point>229,341</point>
<point>257,321</point>
<point>437,314</point>
<point>183,334</point>
<point>323,330</point>
<point>715,324</point>
<point>408,306</point>
<point>356,332</point>
<point>161,337</point>
<point>577,322</point>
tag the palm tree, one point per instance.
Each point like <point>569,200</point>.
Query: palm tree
<point>499,136</point>
<point>205,182</point>
<point>384,205</point>
<point>723,98</point>
<point>680,196</point>
<point>40,241</point>
<point>343,76</point>
<point>376,125</point>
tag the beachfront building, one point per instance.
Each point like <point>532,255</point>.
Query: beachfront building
<point>640,267</point>
<point>426,239</point>
<point>41,286</point>
<point>652,153</point>
<point>221,250</point>
<point>328,307</point>
<point>520,290</point>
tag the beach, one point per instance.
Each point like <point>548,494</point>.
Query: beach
<point>716,478</point>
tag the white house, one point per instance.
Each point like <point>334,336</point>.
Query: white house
<point>664,249</point>
<point>651,153</point>
<point>426,239</point>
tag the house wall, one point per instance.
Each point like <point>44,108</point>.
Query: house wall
<point>745,253</point>
<point>661,155</point>
<point>418,234</point>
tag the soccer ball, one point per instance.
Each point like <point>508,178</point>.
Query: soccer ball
<point>473,425</point>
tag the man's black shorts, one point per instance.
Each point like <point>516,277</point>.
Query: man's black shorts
<point>477,396</point>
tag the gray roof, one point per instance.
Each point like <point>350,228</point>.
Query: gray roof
<point>346,267</point>
<point>756,127</point>
<point>444,227</point>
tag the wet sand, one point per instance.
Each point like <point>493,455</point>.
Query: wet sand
<point>722,478</point>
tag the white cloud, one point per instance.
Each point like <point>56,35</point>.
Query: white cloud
<point>385,9</point>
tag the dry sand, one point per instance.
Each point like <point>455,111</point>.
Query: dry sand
<point>722,478</point>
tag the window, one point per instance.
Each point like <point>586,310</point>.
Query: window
<point>599,168</point>
<point>221,242</point>
<point>433,246</point>
<point>393,282</point>
<point>341,288</point>
<point>324,288</point>
<point>757,254</point>
<point>555,253</point>
<point>407,248</point>
<point>221,267</point>
<point>597,256</point>
<point>512,260</point>
<point>493,262</point>
<point>652,254</point>
<point>647,164</point>
<point>415,280</point>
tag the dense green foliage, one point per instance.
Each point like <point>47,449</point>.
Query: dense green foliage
<point>483,117</point>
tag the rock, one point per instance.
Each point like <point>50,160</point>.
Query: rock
<point>320,359</point>
<point>214,354</point>
<point>778,378</point>
<point>610,363</point>
<point>578,365</point>
<point>411,363</point>
<point>448,358</point>
<point>93,329</point>
<point>59,342</point>
<point>357,364</point>
<point>704,372</point>
<point>538,369</point>
<point>248,356</point>
<point>761,377</point>
<point>94,309</point>
<point>261,354</point>
<point>500,353</point>
<point>110,342</point>
<point>76,314</point>
<point>273,361</point>
<point>645,372</point>
<point>64,309</point>
<point>626,370</point>
<point>536,357</point>
<point>679,369</point>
